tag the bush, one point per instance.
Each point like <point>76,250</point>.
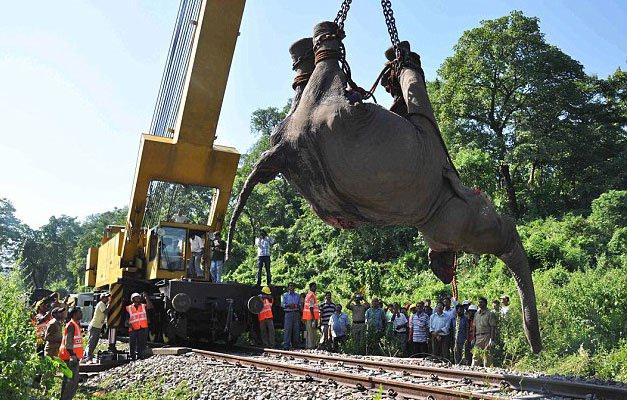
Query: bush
<point>18,350</point>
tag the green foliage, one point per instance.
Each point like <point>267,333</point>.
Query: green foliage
<point>141,391</point>
<point>11,231</point>
<point>555,137</point>
<point>18,352</point>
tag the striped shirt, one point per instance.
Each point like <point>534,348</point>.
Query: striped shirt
<point>419,326</point>
<point>326,310</point>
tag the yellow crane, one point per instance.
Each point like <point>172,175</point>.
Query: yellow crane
<point>135,256</point>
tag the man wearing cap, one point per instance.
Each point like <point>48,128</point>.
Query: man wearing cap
<point>266,319</point>
<point>71,351</point>
<point>138,324</point>
<point>95,325</point>
<point>358,329</point>
<point>291,324</point>
<point>54,332</point>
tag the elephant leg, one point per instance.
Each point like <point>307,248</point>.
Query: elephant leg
<point>473,225</point>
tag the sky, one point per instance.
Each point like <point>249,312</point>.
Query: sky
<point>78,79</point>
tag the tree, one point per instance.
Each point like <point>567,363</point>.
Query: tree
<point>46,252</point>
<point>504,75</point>
<point>11,232</point>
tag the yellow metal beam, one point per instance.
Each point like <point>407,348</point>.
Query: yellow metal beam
<point>212,54</point>
<point>190,157</point>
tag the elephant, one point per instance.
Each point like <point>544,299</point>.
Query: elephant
<point>358,163</point>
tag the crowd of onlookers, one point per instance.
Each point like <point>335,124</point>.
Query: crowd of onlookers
<point>461,332</point>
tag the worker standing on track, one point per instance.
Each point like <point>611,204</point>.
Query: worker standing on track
<point>71,351</point>
<point>311,316</point>
<point>266,319</point>
<point>291,324</point>
<point>95,326</point>
<point>138,324</point>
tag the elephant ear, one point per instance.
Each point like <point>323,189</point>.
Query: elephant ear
<point>271,163</point>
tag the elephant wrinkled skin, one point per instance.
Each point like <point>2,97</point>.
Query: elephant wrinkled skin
<point>358,163</point>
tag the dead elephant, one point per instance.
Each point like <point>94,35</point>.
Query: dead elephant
<point>358,163</point>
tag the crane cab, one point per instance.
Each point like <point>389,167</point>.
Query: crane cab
<point>169,250</point>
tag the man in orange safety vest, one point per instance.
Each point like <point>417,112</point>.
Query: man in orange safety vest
<point>311,316</point>
<point>71,351</point>
<point>266,320</point>
<point>138,325</point>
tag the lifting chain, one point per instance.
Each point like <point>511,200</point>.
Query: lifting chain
<point>390,22</point>
<point>341,15</point>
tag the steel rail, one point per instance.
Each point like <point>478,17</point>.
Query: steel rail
<point>363,382</point>
<point>519,382</point>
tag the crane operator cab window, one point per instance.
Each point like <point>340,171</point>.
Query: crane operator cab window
<point>171,249</point>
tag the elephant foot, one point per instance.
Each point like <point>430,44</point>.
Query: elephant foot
<point>442,264</point>
<point>409,59</point>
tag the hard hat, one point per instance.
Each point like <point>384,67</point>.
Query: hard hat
<point>107,294</point>
<point>135,295</point>
<point>473,308</point>
<point>465,302</point>
<point>266,290</point>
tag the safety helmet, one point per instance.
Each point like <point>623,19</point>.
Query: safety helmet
<point>135,295</point>
<point>472,307</point>
<point>266,290</point>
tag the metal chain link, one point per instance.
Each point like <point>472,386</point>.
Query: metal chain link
<point>388,13</point>
<point>341,15</point>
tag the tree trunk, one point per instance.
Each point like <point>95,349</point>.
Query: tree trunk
<point>509,188</point>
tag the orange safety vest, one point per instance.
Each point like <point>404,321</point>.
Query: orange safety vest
<point>137,317</point>
<point>77,342</point>
<point>311,301</point>
<point>266,311</point>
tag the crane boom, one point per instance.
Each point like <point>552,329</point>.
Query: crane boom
<point>190,157</point>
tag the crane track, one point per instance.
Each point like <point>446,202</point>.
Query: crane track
<point>497,381</point>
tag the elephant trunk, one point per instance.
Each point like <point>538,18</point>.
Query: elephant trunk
<point>516,261</point>
<point>268,167</point>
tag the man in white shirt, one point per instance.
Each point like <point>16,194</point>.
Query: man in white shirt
<point>263,243</point>
<point>197,244</point>
<point>95,326</point>
<point>504,305</point>
<point>399,322</point>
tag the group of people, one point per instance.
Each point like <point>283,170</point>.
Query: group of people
<point>59,334</point>
<point>450,330</point>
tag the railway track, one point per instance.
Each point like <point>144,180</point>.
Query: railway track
<point>416,381</point>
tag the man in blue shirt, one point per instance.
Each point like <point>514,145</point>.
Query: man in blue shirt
<point>338,324</point>
<point>461,333</point>
<point>375,325</point>
<point>439,325</point>
<point>291,324</point>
